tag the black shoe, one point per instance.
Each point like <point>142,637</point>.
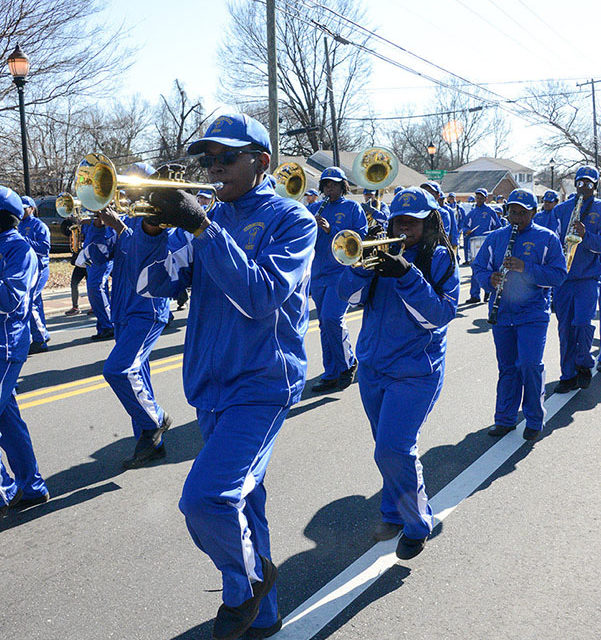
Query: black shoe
<point>232,622</point>
<point>149,446</point>
<point>486,297</point>
<point>584,377</point>
<point>14,501</point>
<point>255,633</point>
<point>325,385</point>
<point>38,347</point>
<point>23,503</point>
<point>109,334</point>
<point>532,434</point>
<point>472,300</point>
<point>387,531</point>
<point>565,386</point>
<point>498,430</point>
<point>346,378</point>
<point>408,548</point>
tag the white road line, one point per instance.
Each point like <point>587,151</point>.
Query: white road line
<point>316,612</point>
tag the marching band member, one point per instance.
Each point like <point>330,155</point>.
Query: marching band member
<point>248,262</point>
<point>576,299</point>
<point>535,265</point>
<point>98,272</point>
<point>469,205</point>
<point>375,208</point>
<point>37,235</point>
<point>339,213</point>
<point>547,218</point>
<point>18,278</point>
<point>311,196</point>
<point>409,301</point>
<point>447,215</point>
<point>479,221</point>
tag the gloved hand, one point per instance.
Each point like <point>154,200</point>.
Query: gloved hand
<point>391,266</point>
<point>373,231</point>
<point>177,209</point>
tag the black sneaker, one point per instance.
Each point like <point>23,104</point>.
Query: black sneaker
<point>346,378</point>
<point>232,622</point>
<point>472,300</point>
<point>584,377</point>
<point>255,633</point>
<point>325,384</point>
<point>498,430</point>
<point>149,446</point>
<point>109,334</point>
<point>565,386</point>
<point>38,347</point>
<point>532,434</point>
<point>387,531</point>
<point>12,504</point>
<point>24,503</point>
<point>408,548</point>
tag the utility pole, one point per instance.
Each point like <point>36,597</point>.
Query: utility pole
<point>595,139</point>
<point>330,86</point>
<point>272,77</point>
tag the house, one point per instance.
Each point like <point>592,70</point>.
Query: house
<point>522,175</point>
<point>464,183</point>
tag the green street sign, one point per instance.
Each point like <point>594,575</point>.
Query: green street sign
<point>437,174</point>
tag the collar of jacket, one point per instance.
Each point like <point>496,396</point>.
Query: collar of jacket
<point>9,233</point>
<point>248,203</point>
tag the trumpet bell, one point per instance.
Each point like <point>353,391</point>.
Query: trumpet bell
<point>67,206</point>
<point>375,168</point>
<point>291,180</point>
<point>347,247</point>
<point>95,181</point>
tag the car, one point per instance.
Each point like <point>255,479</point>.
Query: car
<point>59,227</point>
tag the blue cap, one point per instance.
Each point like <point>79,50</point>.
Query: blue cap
<point>28,202</point>
<point>11,202</point>
<point>233,130</point>
<point>451,194</point>
<point>207,193</point>
<point>397,190</point>
<point>333,173</point>
<point>433,185</point>
<point>499,198</point>
<point>571,196</point>
<point>414,202</point>
<point>312,192</point>
<point>551,196</point>
<point>482,192</point>
<point>587,173</point>
<point>524,197</point>
<point>471,199</point>
<point>142,169</point>
<point>369,192</point>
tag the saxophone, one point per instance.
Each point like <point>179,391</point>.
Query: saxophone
<point>572,239</point>
<point>494,311</point>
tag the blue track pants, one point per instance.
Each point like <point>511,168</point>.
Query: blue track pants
<point>223,498</point>
<point>97,284</point>
<point>396,410</point>
<point>575,306</point>
<point>521,373</point>
<point>16,442</point>
<point>127,370</point>
<point>37,323</point>
<point>336,349</point>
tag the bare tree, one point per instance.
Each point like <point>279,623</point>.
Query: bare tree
<point>301,69</point>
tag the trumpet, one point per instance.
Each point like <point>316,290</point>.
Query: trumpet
<point>97,184</point>
<point>67,206</point>
<point>348,248</point>
<point>291,180</point>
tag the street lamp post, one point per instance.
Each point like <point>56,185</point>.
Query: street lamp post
<point>431,152</point>
<point>552,166</point>
<point>18,63</point>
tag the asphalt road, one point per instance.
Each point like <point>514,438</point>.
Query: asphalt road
<point>109,556</point>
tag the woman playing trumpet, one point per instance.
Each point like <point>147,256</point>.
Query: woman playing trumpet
<point>409,299</point>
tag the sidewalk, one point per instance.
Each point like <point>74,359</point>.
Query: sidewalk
<point>57,301</point>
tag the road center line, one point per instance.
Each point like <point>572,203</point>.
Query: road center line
<point>321,608</point>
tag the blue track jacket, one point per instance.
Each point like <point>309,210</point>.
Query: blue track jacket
<point>450,223</point>
<point>546,219</point>
<point>18,278</point>
<point>341,214</point>
<point>249,272</point>
<point>587,260</point>
<point>404,327</point>
<point>125,302</point>
<point>37,235</point>
<point>480,220</point>
<point>525,295</point>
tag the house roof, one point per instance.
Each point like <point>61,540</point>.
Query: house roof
<point>469,181</point>
<point>514,167</point>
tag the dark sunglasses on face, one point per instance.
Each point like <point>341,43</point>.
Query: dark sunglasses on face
<point>207,160</point>
<point>585,183</point>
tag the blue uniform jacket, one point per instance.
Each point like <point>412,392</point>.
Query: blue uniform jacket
<point>587,260</point>
<point>546,219</point>
<point>37,235</point>
<point>459,213</point>
<point>450,224</point>
<point>18,278</point>
<point>404,327</point>
<point>525,295</point>
<point>380,216</point>
<point>125,302</point>
<point>481,220</point>
<point>341,214</point>
<point>249,272</point>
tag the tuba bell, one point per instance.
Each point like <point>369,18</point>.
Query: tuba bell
<point>375,168</point>
<point>291,180</point>
<point>67,206</point>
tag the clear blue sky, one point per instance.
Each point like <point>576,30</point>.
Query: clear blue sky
<point>498,41</point>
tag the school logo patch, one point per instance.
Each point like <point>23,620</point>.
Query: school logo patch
<point>252,229</point>
<point>406,199</point>
<point>339,217</point>
<point>218,124</point>
<point>528,246</point>
<point>593,217</point>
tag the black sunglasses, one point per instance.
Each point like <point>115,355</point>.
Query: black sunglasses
<point>206,161</point>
